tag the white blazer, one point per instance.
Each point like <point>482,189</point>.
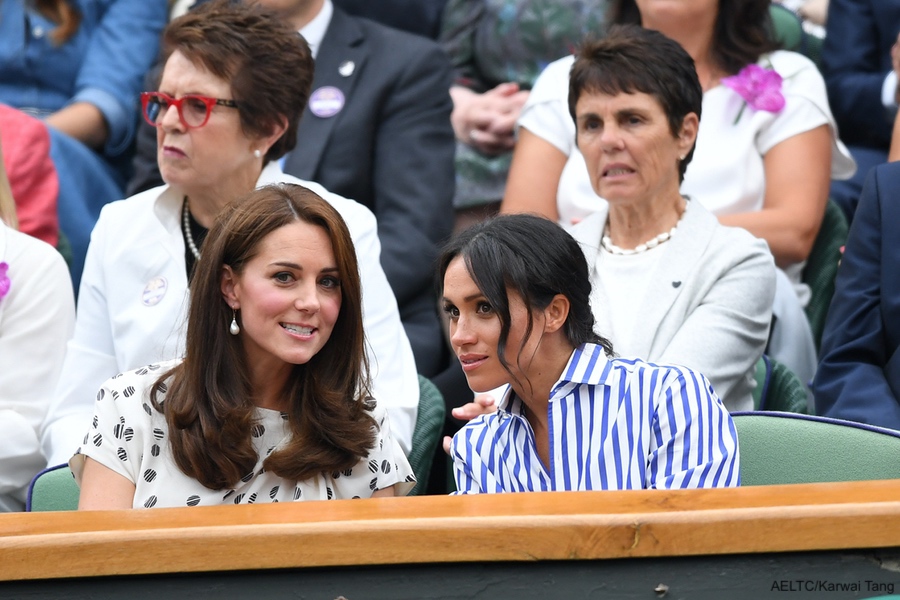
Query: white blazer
<point>132,309</point>
<point>708,305</point>
<point>36,320</point>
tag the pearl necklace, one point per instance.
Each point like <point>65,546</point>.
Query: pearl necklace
<point>653,242</point>
<point>186,223</point>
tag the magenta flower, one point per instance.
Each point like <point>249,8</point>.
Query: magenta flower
<point>4,280</point>
<point>759,87</point>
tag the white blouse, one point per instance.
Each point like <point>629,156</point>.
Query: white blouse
<point>726,173</point>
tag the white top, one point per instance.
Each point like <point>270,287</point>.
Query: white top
<point>132,308</point>
<point>706,304</point>
<point>37,316</point>
<point>631,275</point>
<point>130,437</point>
<point>726,174</point>
<point>314,31</point>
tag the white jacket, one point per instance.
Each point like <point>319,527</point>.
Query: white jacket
<point>36,320</point>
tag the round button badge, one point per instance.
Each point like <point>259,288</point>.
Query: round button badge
<point>154,291</point>
<point>326,102</point>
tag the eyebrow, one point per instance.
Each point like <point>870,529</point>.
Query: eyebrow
<point>295,266</point>
<point>468,298</point>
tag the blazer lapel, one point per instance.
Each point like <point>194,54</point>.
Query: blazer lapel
<point>672,275</point>
<point>342,45</point>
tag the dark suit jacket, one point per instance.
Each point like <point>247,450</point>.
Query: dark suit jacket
<point>856,57</point>
<point>859,374</point>
<point>391,147</point>
<point>416,16</point>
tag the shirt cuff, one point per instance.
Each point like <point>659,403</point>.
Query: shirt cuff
<point>119,120</point>
<point>889,90</point>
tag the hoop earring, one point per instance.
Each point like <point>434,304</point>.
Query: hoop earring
<point>234,328</point>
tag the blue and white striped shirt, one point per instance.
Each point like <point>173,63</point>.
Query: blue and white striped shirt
<point>614,425</point>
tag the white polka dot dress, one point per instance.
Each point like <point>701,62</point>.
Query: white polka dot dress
<point>130,437</point>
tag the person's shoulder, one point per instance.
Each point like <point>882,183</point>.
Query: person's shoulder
<point>725,240</point>
<point>662,375</point>
<point>797,71</point>
<point>390,47</point>
<point>130,207</point>
<point>37,252</point>
<point>356,215</point>
<point>559,68</point>
<point>128,382</point>
<point>397,39</point>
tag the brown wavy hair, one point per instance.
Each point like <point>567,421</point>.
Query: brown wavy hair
<point>268,64</point>
<point>207,402</point>
<point>64,14</point>
<point>743,30</point>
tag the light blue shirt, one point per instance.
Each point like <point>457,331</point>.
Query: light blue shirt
<point>614,425</point>
<point>103,63</point>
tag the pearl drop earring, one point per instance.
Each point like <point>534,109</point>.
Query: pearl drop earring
<point>257,153</point>
<point>234,328</point>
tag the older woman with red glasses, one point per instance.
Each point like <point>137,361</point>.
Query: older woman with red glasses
<point>235,82</point>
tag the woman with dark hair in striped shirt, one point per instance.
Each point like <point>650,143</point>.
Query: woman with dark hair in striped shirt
<point>517,294</point>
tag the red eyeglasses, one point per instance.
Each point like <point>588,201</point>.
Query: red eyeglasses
<point>193,110</point>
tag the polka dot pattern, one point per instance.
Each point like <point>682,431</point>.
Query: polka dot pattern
<point>130,437</point>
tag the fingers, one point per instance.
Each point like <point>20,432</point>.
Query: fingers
<point>490,143</point>
<point>482,404</point>
<point>446,443</point>
<point>504,89</point>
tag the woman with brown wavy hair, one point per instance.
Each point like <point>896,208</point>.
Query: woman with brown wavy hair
<point>271,402</point>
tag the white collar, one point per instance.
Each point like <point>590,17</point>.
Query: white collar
<point>314,31</point>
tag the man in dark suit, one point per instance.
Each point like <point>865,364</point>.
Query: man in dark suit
<point>858,378</point>
<point>856,63</point>
<point>376,130</point>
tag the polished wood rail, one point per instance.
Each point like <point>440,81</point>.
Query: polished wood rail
<point>440,529</point>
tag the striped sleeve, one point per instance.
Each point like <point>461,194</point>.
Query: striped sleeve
<point>694,439</point>
<point>469,471</point>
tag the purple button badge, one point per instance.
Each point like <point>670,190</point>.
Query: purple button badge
<point>326,102</point>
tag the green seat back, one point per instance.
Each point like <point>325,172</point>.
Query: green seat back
<point>427,434</point>
<point>53,489</point>
<point>779,448</point>
<point>778,388</point>
<point>789,33</point>
<point>822,266</point>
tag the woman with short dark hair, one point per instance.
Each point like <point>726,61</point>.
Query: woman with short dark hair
<point>766,152</point>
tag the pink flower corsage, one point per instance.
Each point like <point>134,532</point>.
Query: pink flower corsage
<point>759,87</point>
<point>4,280</point>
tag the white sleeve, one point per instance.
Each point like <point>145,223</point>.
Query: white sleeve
<point>121,421</point>
<point>36,320</point>
<point>395,383</point>
<point>90,360</point>
<point>546,112</point>
<point>806,107</point>
<point>889,90</point>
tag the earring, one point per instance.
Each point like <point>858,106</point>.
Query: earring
<point>257,153</point>
<point>682,157</point>
<point>234,328</point>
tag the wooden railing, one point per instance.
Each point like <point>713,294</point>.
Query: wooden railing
<point>438,529</point>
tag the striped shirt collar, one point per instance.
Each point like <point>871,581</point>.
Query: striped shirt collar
<point>588,364</point>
